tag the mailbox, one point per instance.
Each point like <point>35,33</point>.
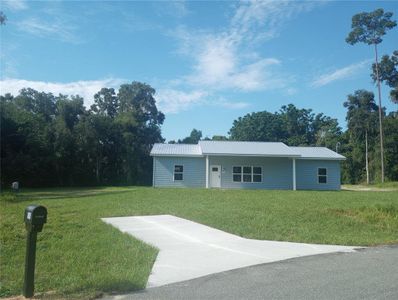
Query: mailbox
<point>35,217</point>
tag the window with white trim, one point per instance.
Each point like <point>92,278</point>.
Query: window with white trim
<point>247,174</point>
<point>178,172</point>
<point>257,174</point>
<point>322,175</point>
<point>237,174</point>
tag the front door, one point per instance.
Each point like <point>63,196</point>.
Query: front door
<point>215,176</point>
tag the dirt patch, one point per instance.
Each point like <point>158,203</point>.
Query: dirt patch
<point>365,188</point>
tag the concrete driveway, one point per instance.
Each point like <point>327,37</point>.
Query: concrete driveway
<point>371,273</point>
<point>190,250</point>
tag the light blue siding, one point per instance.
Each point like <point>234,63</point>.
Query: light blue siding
<point>194,171</point>
<point>277,172</point>
<point>307,174</point>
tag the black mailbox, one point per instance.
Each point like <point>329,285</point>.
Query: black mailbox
<point>35,217</point>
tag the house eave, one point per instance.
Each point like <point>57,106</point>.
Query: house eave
<point>249,155</point>
<point>322,158</point>
<point>252,155</point>
<point>176,155</point>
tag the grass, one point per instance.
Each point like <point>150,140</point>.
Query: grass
<point>79,256</point>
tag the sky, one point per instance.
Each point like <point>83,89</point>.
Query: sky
<point>210,62</point>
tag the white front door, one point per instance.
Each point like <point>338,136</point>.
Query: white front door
<point>215,176</point>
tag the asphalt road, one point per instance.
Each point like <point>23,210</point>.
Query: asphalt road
<point>370,273</point>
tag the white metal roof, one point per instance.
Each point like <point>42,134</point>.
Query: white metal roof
<point>176,150</point>
<point>231,148</point>
<point>317,153</point>
<point>246,149</point>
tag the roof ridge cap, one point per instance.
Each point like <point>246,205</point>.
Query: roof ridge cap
<point>244,142</point>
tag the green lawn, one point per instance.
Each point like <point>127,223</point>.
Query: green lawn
<point>79,256</point>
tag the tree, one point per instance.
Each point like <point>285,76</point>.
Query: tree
<point>388,73</point>
<point>368,28</point>
<point>38,103</point>
<point>360,118</point>
<point>48,140</point>
<point>297,124</point>
<point>391,128</point>
<point>258,126</point>
<point>69,112</point>
<point>290,125</point>
<point>219,138</point>
<point>139,122</point>
<point>193,138</point>
<point>26,137</point>
<point>327,132</point>
<point>106,103</point>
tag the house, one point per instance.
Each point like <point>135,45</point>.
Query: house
<point>245,165</point>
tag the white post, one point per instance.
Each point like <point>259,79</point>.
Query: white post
<point>294,174</point>
<point>207,171</point>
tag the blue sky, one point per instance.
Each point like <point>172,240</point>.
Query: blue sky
<point>210,62</point>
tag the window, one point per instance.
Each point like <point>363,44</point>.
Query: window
<point>237,174</point>
<point>247,174</point>
<point>322,175</point>
<point>257,174</point>
<point>178,172</point>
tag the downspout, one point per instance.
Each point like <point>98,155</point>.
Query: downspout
<point>294,174</point>
<point>154,170</point>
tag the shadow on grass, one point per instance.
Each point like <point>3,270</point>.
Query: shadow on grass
<point>32,196</point>
<point>121,287</point>
<point>113,288</point>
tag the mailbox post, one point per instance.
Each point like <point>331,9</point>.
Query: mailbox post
<point>35,217</point>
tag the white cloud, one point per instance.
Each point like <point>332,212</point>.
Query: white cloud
<point>55,29</point>
<point>167,100</point>
<point>221,73</point>
<point>258,76</point>
<point>85,89</point>
<point>174,101</point>
<point>226,60</point>
<point>14,4</point>
<point>230,104</point>
<point>220,64</point>
<point>259,20</point>
<point>340,74</point>
<point>216,62</point>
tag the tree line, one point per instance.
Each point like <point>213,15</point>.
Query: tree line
<point>49,140</point>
